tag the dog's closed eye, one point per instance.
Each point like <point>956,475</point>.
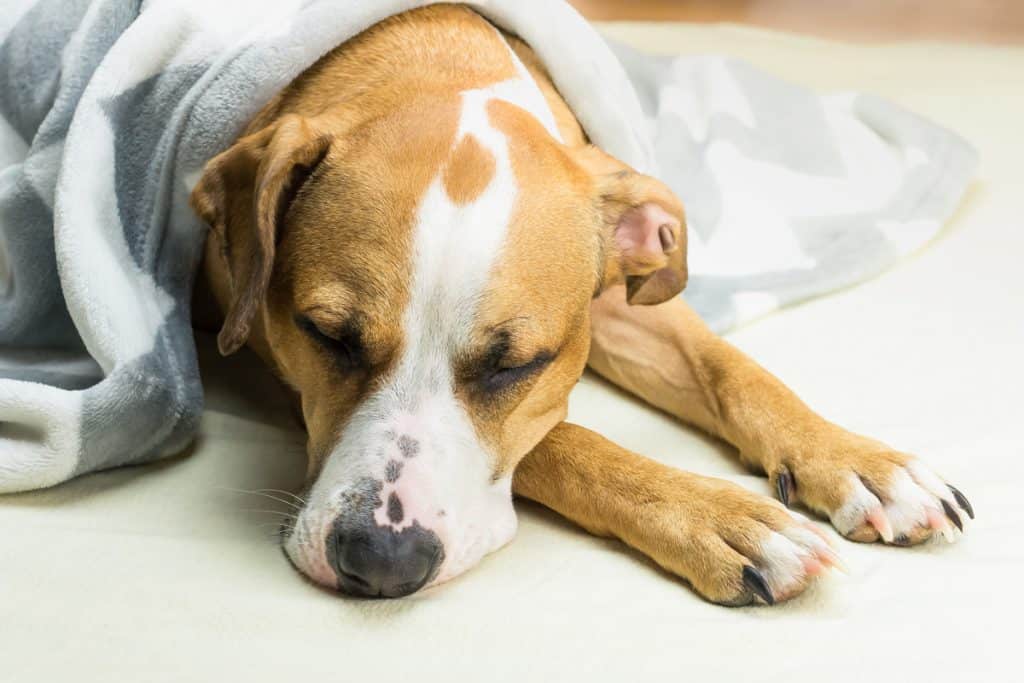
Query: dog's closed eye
<point>501,367</point>
<point>503,377</point>
<point>343,342</point>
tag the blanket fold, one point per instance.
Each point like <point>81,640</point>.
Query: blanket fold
<point>110,108</point>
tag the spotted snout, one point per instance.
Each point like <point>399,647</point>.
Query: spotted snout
<point>393,512</point>
<point>361,544</point>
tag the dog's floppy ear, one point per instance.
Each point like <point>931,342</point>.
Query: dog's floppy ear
<point>644,229</point>
<point>243,195</point>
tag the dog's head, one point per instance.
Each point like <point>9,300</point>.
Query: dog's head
<point>421,278</point>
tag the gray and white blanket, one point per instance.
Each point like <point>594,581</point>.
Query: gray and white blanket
<point>109,108</point>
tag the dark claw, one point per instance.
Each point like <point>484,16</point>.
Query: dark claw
<point>783,485</point>
<point>753,580</point>
<point>962,501</point>
<point>951,513</point>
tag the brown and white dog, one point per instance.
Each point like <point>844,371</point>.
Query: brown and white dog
<point>419,240</point>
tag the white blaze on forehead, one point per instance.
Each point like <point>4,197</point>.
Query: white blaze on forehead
<point>457,245</point>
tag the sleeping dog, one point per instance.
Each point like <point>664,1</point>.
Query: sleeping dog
<point>417,237</point>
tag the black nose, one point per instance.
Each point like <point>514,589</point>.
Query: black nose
<point>377,561</point>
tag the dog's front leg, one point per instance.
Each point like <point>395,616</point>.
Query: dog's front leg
<point>729,543</point>
<point>667,356</point>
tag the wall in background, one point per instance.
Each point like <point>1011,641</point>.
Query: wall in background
<point>988,21</point>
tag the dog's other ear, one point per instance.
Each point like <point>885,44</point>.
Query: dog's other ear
<point>644,229</point>
<point>243,195</point>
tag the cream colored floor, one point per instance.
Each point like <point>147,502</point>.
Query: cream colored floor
<point>163,573</point>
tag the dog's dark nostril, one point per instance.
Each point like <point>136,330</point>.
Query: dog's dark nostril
<point>380,562</point>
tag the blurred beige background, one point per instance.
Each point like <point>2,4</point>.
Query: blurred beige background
<point>984,21</point>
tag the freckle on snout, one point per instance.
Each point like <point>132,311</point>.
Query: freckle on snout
<point>393,471</point>
<point>408,446</point>
<point>395,512</point>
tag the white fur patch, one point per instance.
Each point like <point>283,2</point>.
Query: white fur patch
<point>913,500</point>
<point>859,502</point>
<point>780,563</point>
<point>784,557</point>
<point>929,480</point>
<point>906,509</point>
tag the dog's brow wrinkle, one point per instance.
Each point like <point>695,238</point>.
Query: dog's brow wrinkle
<point>510,321</point>
<point>408,446</point>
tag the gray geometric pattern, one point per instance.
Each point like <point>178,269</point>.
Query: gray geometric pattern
<point>109,108</point>
<point>138,118</point>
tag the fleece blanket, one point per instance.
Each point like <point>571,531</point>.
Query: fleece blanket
<point>109,108</point>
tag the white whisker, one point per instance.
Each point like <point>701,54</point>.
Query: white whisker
<point>264,494</point>
<point>282,513</point>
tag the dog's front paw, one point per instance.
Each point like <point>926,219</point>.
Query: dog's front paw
<point>872,493</point>
<point>735,546</point>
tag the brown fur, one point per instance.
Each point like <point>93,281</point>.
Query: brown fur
<point>469,171</point>
<point>371,125</point>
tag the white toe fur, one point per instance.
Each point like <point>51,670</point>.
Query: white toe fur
<point>907,503</point>
<point>928,480</point>
<point>805,538</point>
<point>854,511</point>
<point>783,556</point>
<point>913,499</point>
<point>780,563</point>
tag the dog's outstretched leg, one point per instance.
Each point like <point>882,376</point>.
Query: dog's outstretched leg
<point>731,544</point>
<point>668,357</point>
